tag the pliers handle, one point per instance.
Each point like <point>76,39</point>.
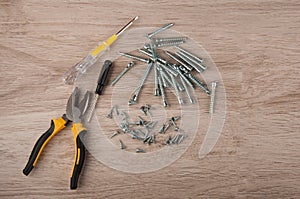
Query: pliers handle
<point>56,126</point>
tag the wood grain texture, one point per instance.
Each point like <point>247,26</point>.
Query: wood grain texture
<point>255,45</point>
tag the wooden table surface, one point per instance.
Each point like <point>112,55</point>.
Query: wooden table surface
<point>255,45</point>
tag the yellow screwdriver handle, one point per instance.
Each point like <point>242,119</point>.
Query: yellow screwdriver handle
<point>104,45</point>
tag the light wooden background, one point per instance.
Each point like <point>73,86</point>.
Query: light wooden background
<point>255,45</point>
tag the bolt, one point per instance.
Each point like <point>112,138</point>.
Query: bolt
<point>135,57</point>
<point>212,97</point>
<point>178,60</point>
<point>142,81</point>
<point>190,62</point>
<point>130,65</point>
<point>176,90</point>
<point>189,54</point>
<point>200,84</point>
<point>160,30</point>
<point>163,96</point>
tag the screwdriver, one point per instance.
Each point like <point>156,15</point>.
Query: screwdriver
<point>73,73</point>
<point>102,81</point>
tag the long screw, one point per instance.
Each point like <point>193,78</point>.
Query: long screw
<point>171,71</point>
<point>186,90</point>
<point>212,97</point>
<point>127,68</point>
<point>176,90</point>
<point>184,78</point>
<point>192,60</point>
<point>198,83</point>
<point>160,30</point>
<point>156,91</point>
<point>170,39</point>
<point>188,61</point>
<point>178,60</point>
<point>189,54</point>
<point>163,96</point>
<point>142,81</point>
<point>169,43</point>
<point>135,57</point>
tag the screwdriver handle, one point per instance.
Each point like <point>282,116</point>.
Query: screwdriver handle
<point>102,80</point>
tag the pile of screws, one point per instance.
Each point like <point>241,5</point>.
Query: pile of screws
<point>177,74</point>
<point>141,129</point>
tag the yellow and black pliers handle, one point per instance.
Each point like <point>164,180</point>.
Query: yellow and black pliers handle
<point>78,131</point>
<point>56,126</point>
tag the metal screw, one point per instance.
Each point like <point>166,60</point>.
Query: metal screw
<point>168,140</point>
<point>110,114</point>
<point>135,57</point>
<point>122,146</point>
<point>186,90</point>
<point>172,120</point>
<point>176,90</point>
<point>212,97</point>
<point>142,81</point>
<point>184,78</point>
<point>169,70</point>
<point>201,85</point>
<point>140,150</point>
<point>164,75</point>
<point>189,54</point>
<point>163,96</point>
<point>170,39</point>
<point>130,65</point>
<point>188,61</point>
<point>169,43</point>
<point>178,60</point>
<point>164,81</point>
<point>156,91</point>
<point>160,30</point>
<point>114,134</point>
<point>162,129</point>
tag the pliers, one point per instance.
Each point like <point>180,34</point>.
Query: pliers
<point>74,112</point>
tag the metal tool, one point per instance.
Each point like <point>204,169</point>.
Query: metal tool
<point>163,96</point>
<point>74,112</point>
<point>160,30</point>
<point>102,81</point>
<point>70,76</point>
<point>178,60</point>
<point>189,54</point>
<point>195,65</point>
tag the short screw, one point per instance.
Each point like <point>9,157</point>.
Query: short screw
<point>138,150</point>
<point>212,97</point>
<point>130,65</point>
<point>110,114</point>
<point>122,146</point>
<point>114,134</point>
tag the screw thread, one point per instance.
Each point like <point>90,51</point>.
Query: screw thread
<point>199,83</point>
